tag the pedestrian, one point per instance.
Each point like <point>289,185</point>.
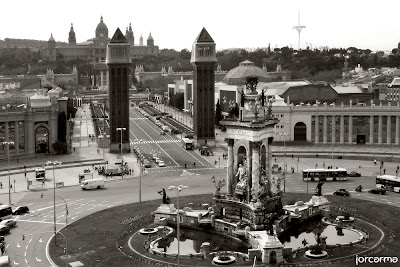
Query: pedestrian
<point>384,171</point>
<point>74,149</point>
<point>275,160</point>
<point>185,166</point>
<point>398,167</point>
<point>17,160</point>
<point>323,164</point>
<point>11,186</point>
<point>194,164</point>
<point>1,185</point>
<point>215,162</point>
<point>292,156</point>
<point>3,249</point>
<point>375,161</point>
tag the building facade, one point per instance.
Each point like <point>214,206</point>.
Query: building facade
<point>95,48</point>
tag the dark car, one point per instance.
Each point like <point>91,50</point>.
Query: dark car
<point>342,192</point>
<point>4,230</point>
<point>377,191</point>
<point>354,174</point>
<point>1,238</point>
<point>20,210</point>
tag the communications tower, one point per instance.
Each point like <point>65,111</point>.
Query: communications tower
<point>298,28</point>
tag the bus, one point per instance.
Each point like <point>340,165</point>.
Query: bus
<point>5,212</point>
<point>40,173</point>
<point>187,143</point>
<point>388,182</point>
<point>339,174</point>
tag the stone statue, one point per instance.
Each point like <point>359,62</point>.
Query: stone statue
<point>241,185</point>
<point>166,199</point>
<point>318,189</point>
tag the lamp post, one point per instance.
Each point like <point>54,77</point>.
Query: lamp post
<point>122,160</point>
<point>332,144</point>
<point>9,174</point>
<point>54,163</point>
<point>284,161</point>
<point>140,174</point>
<point>178,188</point>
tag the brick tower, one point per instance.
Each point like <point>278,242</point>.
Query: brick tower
<point>203,60</point>
<point>118,61</point>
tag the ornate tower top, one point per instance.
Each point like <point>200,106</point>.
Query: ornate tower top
<point>150,40</point>
<point>101,29</point>
<point>51,42</point>
<point>118,50</point>
<point>203,49</point>
<point>141,40</point>
<point>71,37</point>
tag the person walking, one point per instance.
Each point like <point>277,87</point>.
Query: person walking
<point>1,185</point>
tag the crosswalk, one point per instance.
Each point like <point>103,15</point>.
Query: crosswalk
<point>157,142</point>
<point>185,173</point>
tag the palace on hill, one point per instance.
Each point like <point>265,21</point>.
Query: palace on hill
<point>95,48</point>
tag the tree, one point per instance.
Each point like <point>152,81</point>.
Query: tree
<point>218,116</point>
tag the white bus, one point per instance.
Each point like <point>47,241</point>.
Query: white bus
<point>339,174</point>
<point>40,173</point>
<point>187,143</point>
<point>388,182</point>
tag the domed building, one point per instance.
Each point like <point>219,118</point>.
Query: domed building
<point>95,48</point>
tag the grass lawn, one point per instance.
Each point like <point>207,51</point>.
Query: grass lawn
<point>100,239</point>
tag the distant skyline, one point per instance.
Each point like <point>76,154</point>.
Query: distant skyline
<point>175,24</point>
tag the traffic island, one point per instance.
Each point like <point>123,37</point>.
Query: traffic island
<point>105,237</point>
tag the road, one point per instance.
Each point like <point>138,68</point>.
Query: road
<point>38,225</point>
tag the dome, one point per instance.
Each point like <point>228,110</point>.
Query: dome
<point>101,26</point>
<point>51,38</point>
<point>150,37</point>
<point>40,101</point>
<point>55,92</point>
<point>246,69</point>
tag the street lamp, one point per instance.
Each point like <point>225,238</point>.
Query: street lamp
<point>284,161</point>
<point>178,188</point>
<point>122,161</point>
<point>9,174</point>
<point>54,163</point>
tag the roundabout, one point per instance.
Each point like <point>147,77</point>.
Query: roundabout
<point>105,239</point>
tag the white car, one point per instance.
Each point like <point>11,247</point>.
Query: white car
<point>161,163</point>
<point>158,159</point>
<point>9,223</point>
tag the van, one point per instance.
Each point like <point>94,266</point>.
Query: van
<point>93,184</point>
<point>165,128</point>
<point>5,261</point>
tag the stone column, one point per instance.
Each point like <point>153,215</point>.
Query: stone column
<point>333,140</point>
<point>107,78</point>
<point>16,132</point>
<point>269,159</point>
<point>341,129</point>
<point>249,170</point>
<point>30,134</point>
<point>371,129</point>
<point>6,133</point>
<point>389,130</point>
<point>350,129</point>
<point>256,164</point>
<point>230,166</point>
<point>380,130</point>
<point>397,129</point>
<point>101,79</point>
<point>325,130</point>
<point>316,141</point>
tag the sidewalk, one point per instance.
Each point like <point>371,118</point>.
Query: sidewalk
<point>85,154</point>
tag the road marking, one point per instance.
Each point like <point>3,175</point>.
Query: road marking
<point>184,172</point>
<point>18,246</point>
<point>38,259</point>
<point>40,222</point>
<point>15,263</point>
<point>40,240</point>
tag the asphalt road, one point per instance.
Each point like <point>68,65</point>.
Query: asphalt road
<point>38,225</point>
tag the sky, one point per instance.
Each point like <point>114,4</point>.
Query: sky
<point>175,24</point>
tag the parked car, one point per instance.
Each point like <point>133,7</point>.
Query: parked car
<point>146,164</point>
<point>4,230</point>
<point>20,210</point>
<point>9,223</point>
<point>162,133</point>
<point>161,163</point>
<point>354,174</point>
<point>154,156</point>
<point>1,238</point>
<point>158,159</point>
<point>377,191</point>
<point>342,192</point>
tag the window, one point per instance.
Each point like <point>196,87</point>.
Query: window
<point>281,115</point>
<point>281,126</point>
